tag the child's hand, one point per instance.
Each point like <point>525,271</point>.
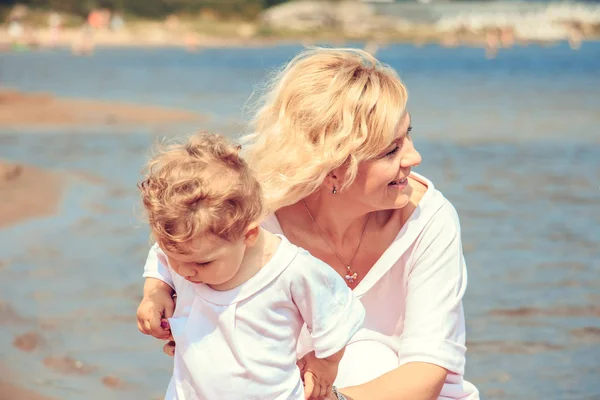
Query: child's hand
<point>318,375</point>
<point>154,309</point>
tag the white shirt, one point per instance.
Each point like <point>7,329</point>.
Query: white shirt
<point>241,343</point>
<point>413,301</point>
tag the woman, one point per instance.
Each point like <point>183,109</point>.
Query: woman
<point>332,148</point>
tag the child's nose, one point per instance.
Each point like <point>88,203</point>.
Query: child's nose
<point>187,271</point>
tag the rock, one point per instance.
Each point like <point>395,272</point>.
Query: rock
<point>113,382</point>
<point>67,365</point>
<point>349,16</point>
<point>299,15</point>
<point>28,341</point>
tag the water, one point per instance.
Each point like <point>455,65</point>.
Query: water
<point>513,142</point>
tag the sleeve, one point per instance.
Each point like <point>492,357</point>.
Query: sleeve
<point>157,267</point>
<point>329,308</point>
<point>434,323</point>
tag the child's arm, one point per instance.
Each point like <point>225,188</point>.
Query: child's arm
<point>157,303</point>
<point>332,315</point>
<point>156,266</point>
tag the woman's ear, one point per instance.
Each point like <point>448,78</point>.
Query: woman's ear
<point>333,181</point>
<point>251,235</point>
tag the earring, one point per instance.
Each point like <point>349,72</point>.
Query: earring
<point>334,191</point>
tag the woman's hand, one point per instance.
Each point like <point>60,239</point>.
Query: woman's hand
<point>157,305</point>
<point>169,348</point>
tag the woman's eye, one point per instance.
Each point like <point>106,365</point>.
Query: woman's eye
<point>391,153</point>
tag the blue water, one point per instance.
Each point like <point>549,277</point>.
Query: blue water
<point>513,142</point>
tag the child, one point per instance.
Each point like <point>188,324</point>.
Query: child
<point>243,294</point>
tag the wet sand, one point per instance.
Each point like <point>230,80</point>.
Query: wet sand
<point>11,391</point>
<point>8,391</point>
<point>45,110</point>
<point>27,192</point>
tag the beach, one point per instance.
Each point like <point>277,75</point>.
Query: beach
<point>27,192</point>
<point>19,109</point>
<point>9,391</point>
<point>30,192</point>
<point>515,150</point>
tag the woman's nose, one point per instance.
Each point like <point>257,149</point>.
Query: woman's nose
<point>410,157</point>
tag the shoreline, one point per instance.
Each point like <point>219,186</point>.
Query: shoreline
<point>28,192</point>
<point>154,36</point>
<point>10,391</point>
<point>34,109</point>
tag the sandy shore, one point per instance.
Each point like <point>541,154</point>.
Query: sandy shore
<point>8,391</point>
<point>151,34</point>
<point>46,110</point>
<point>27,192</point>
<point>11,391</point>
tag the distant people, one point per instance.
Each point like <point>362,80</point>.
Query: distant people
<point>507,37</point>
<point>98,19</point>
<point>117,22</point>
<point>574,37</point>
<point>449,39</point>
<point>85,44</point>
<point>30,37</point>
<point>173,29</point>
<point>192,42</point>
<point>16,29</point>
<point>55,27</point>
<point>16,33</point>
<point>491,43</point>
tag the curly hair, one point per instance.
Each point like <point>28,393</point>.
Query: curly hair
<point>327,108</point>
<point>197,187</point>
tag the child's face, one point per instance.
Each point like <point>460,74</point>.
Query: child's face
<point>211,260</point>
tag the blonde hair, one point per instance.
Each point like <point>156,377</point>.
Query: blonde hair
<point>196,187</point>
<point>325,109</point>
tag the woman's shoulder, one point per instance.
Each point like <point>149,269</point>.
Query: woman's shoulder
<point>433,208</point>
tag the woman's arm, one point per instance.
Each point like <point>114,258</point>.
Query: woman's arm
<point>432,344</point>
<point>412,381</point>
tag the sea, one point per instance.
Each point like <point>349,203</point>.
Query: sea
<point>512,141</point>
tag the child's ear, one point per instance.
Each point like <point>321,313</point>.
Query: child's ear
<point>251,235</point>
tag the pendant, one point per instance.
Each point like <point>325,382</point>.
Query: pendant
<point>351,278</point>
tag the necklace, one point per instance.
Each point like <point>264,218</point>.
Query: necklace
<point>350,275</point>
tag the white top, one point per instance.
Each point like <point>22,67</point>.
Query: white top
<point>241,343</point>
<point>413,300</point>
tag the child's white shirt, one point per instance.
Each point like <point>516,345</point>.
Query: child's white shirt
<point>241,343</point>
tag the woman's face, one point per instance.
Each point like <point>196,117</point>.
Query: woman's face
<point>382,182</point>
